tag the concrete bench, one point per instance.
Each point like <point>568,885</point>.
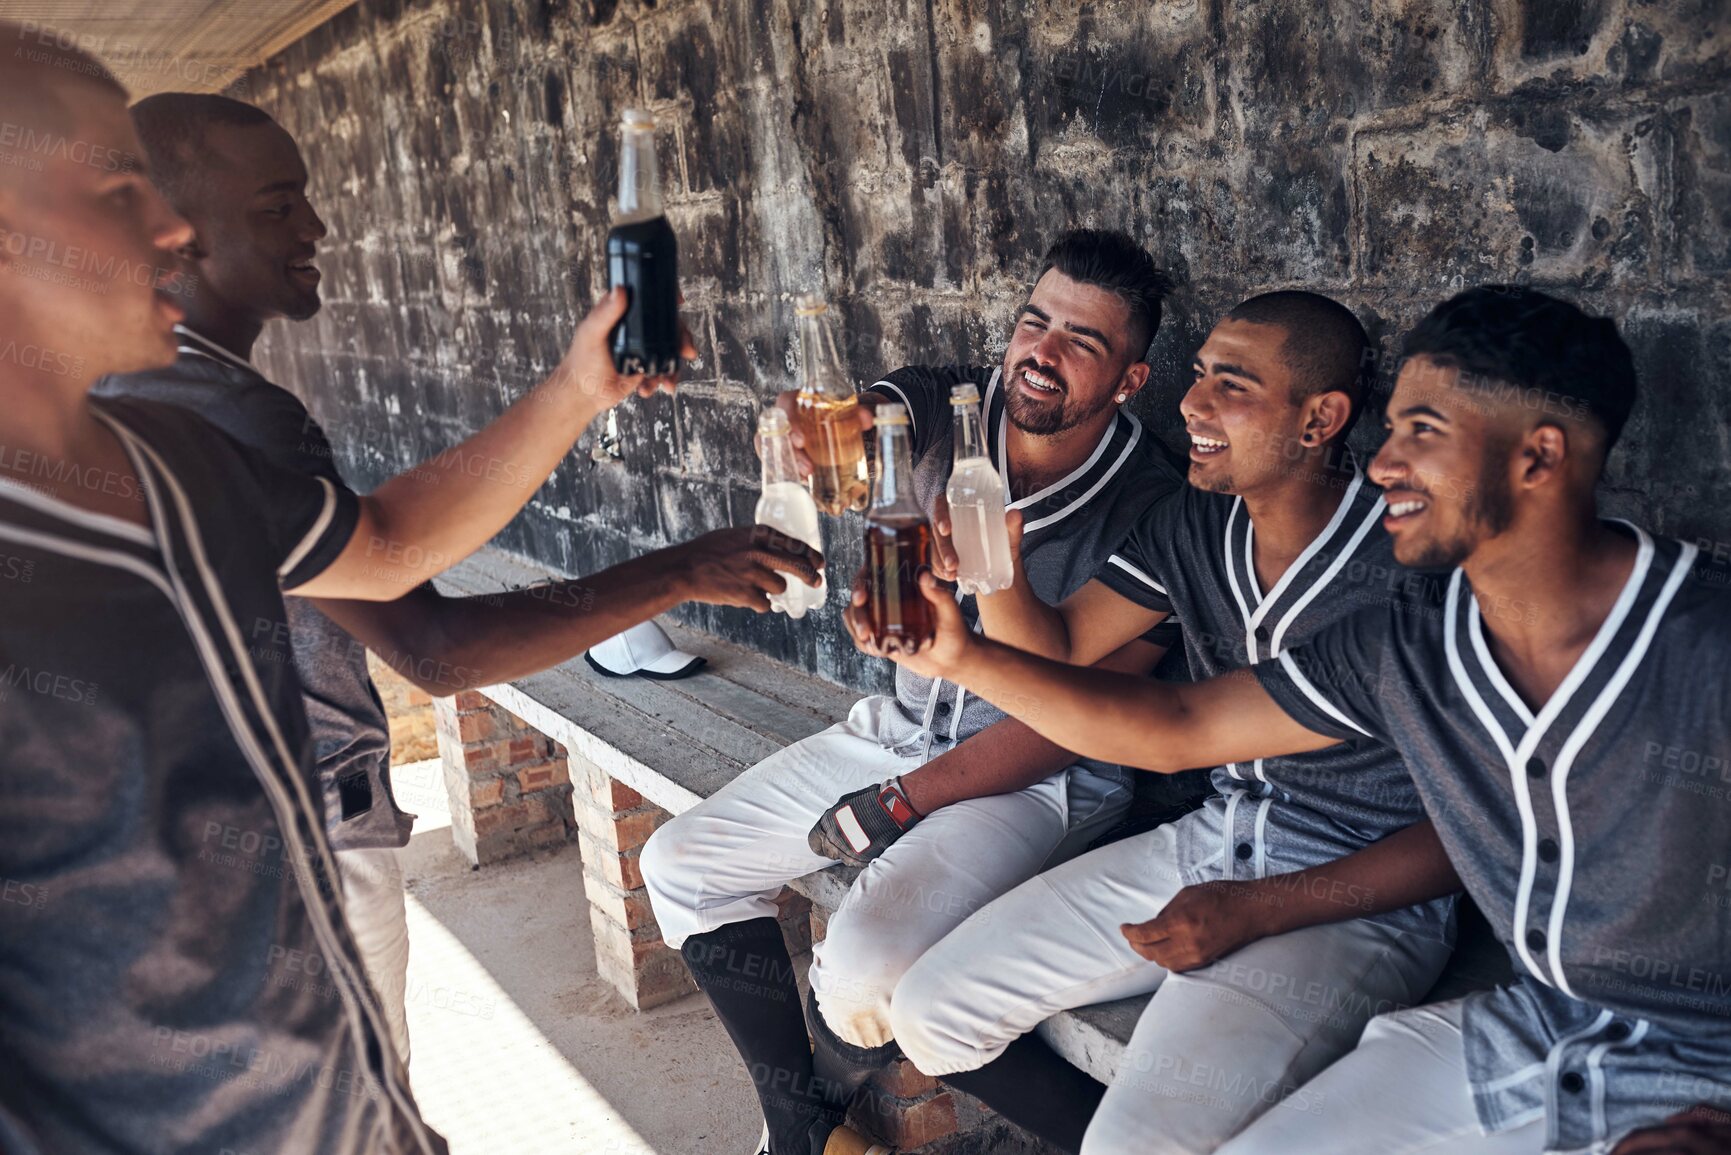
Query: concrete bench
<point>569,752</point>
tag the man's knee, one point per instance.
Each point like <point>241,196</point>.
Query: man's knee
<point>664,860</point>
<point>920,1029</point>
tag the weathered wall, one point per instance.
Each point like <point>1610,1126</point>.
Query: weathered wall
<point>915,158</point>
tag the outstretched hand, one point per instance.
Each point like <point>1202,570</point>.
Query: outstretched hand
<point>788,403</point>
<point>743,566</point>
<point>938,658</point>
<point>588,362</point>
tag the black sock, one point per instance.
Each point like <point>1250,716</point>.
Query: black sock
<point>745,970</point>
<point>1035,1088</point>
<point>842,1068</point>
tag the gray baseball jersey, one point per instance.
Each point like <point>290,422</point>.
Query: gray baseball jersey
<point>1192,552</point>
<point>1594,834</point>
<point>1069,529</point>
<point>351,738</point>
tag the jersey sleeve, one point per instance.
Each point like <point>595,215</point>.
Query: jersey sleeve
<point>1330,683</point>
<point>925,390</point>
<point>1134,568</point>
<point>308,519</point>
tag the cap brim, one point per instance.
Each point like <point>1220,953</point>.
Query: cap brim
<point>671,666</point>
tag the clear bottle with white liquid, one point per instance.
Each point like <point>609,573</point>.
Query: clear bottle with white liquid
<point>976,497</point>
<point>787,507</point>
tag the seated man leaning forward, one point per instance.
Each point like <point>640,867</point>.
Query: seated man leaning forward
<point>1568,649</point>
<point>1315,876</point>
<point>1081,470</point>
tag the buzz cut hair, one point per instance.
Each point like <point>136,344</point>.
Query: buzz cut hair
<point>1325,346</point>
<point>174,128</point>
<point>37,59</point>
<point>1111,260</point>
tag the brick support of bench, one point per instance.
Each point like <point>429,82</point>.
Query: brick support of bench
<point>508,783</point>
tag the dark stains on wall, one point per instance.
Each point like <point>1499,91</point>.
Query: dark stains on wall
<point>914,158</point>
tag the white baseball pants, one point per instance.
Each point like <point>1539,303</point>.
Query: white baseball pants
<point>379,921</point>
<point>726,859</point>
<point>1215,1048</point>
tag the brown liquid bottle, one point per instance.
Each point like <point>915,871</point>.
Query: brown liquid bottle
<point>827,413</point>
<point>898,544</point>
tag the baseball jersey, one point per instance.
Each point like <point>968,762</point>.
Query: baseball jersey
<point>1069,527</point>
<point>181,976</point>
<point>351,737</point>
<point>1595,834</point>
<point>1192,552</point>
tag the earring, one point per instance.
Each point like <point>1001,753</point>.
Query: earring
<point>1122,397</point>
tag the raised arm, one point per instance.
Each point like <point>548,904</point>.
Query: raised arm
<point>1212,919</point>
<point>1161,726</point>
<point>446,644</point>
<point>426,519</point>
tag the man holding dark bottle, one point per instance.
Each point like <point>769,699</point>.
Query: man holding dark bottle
<point>1081,469</point>
<point>238,177</point>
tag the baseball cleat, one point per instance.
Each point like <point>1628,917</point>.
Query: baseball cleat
<point>763,1143</point>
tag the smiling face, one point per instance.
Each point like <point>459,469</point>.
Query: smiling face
<point>1069,356</point>
<point>257,232</point>
<point>1446,469</point>
<point>1246,429</point>
<point>87,264</point>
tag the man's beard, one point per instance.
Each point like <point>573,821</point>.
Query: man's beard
<point>1488,512</point>
<point>1048,420</point>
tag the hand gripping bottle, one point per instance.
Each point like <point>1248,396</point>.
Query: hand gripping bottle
<point>828,414</point>
<point>976,497</point>
<point>898,543</point>
<point>786,506</point>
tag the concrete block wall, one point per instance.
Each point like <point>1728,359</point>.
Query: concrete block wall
<point>915,158</point>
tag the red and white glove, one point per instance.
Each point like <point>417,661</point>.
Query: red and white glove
<point>864,824</point>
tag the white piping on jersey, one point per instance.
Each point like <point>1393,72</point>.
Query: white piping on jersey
<point>1253,618</point>
<point>1261,845</point>
<point>1517,774</point>
<point>1483,650</point>
<point>1139,575</point>
<point>1530,1071</point>
<point>283,807</point>
<point>205,347</point>
<point>320,524</point>
<point>1111,472</point>
<point>1328,575</point>
<point>1229,860</point>
<point>1584,730</point>
<point>900,392</point>
<point>66,511</point>
<point>1310,691</point>
<point>1553,1060</point>
<point>1535,734</point>
<point>1596,1074</point>
<point>1074,475</point>
<point>89,553</point>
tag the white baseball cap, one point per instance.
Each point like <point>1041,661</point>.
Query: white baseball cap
<point>645,651</point>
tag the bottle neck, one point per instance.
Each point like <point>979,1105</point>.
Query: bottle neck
<point>778,462</point>
<point>820,368</point>
<point>639,175</point>
<point>894,493</point>
<point>966,432</point>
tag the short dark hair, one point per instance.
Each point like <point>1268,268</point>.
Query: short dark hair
<point>173,126</point>
<point>1110,260</point>
<point>28,73</point>
<point>1325,345</point>
<point>1512,335</point>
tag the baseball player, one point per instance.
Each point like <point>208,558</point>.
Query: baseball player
<point>1276,536</point>
<point>1081,470</point>
<point>238,177</point>
<point>1574,664</point>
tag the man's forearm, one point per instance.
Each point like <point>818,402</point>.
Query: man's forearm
<point>1016,616</point>
<point>1001,759</point>
<point>1407,867</point>
<point>428,518</point>
<point>445,645</point>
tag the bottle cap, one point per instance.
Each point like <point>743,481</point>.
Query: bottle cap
<point>964,394</point>
<point>637,118</point>
<point>809,305</point>
<point>772,422</point>
<point>892,413</point>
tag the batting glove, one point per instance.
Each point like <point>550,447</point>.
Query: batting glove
<point>864,824</point>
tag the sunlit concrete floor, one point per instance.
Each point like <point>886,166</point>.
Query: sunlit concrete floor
<point>518,1047</point>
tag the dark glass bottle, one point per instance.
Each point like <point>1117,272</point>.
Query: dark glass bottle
<point>643,255</point>
<point>898,543</point>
